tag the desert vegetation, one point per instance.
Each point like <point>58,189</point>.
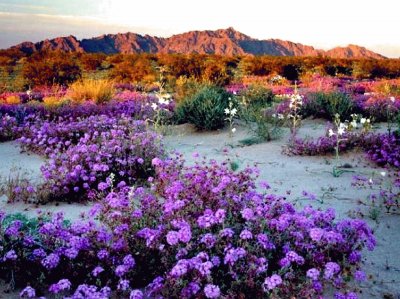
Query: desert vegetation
<point>163,227</point>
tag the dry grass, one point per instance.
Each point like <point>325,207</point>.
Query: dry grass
<point>52,102</point>
<point>100,91</point>
<point>13,100</point>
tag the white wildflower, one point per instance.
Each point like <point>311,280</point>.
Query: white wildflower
<point>154,106</point>
<point>341,131</point>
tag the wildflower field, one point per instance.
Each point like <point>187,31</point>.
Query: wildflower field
<point>256,189</point>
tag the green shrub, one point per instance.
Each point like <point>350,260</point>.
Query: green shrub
<point>257,96</point>
<point>326,105</point>
<point>205,109</point>
<point>256,102</point>
<point>186,87</point>
<point>263,124</point>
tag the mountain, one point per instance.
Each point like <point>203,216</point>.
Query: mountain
<point>352,51</point>
<point>223,42</point>
<point>66,44</point>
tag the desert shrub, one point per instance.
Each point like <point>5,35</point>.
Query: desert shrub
<point>52,102</point>
<point>133,68</point>
<point>256,96</point>
<point>255,110</point>
<point>100,91</point>
<point>13,100</point>
<point>263,123</point>
<point>49,68</point>
<point>186,87</point>
<point>326,105</point>
<point>205,109</point>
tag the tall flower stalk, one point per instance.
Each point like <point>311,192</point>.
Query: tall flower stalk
<point>230,113</point>
<point>340,130</point>
<point>296,101</point>
<point>159,107</point>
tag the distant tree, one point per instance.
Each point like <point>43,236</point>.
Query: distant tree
<point>134,68</point>
<point>49,68</point>
<point>92,62</point>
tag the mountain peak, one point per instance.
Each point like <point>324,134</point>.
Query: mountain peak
<point>227,41</point>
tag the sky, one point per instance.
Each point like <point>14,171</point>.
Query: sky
<point>323,24</point>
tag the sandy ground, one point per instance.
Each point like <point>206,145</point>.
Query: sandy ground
<point>288,176</point>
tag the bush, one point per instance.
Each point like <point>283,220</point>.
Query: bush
<point>50,68</point>
<point>186,87</point>
<point>52,102</point>
<point>205,109</point>
<point>257,96</point>
<point>255,110</point>
<point>326,105</point>
<point>13,100</point>
<point>100,91</point>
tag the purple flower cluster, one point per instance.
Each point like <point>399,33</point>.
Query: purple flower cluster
<point>385,150</point>
<point>223,239</point>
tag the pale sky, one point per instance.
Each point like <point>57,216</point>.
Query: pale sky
<point>322,24</point>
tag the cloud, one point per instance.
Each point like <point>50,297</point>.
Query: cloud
<point>20,27</point>
<point>14,7</point>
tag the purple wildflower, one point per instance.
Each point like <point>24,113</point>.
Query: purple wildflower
<point>212,291</point>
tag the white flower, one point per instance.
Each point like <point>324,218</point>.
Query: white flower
<point>370,181</point>
<point>154,106</point>
<point>341,131</point>
<point>274,115</point>
<point>383,173</point>
<point>392,99</point>
<point>363,120</point>
<point>354,124</point>
<point>233,130</point>
<point>331,133</point>
<point>280,116</point>
<point>163,101</point>
<point>233,111</point>
<point>227,111</point>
